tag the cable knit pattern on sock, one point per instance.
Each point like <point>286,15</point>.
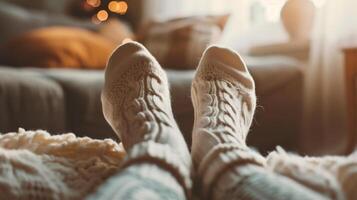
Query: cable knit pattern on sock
<point>133,93</point>
<point>36,165</point>
<point>136,103</point>
<point>223,96</point>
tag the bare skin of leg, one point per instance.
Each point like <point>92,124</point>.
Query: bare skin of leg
<point>136,103</point>
<point>223,95</point>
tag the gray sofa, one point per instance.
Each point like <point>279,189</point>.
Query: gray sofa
<point>60,100</point>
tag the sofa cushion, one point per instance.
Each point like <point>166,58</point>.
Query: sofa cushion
<point>272,72</point>
<point>279,88</point>
<point>30,101</point>
<point>82,98</point>
<point>180,88</point>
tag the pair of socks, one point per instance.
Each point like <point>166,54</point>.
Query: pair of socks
<point>136,103</point>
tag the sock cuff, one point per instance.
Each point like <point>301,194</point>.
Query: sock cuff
<point>163,156</point>
<point>222,158</point>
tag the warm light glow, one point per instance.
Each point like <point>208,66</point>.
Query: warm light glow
<point>272,9</point>
<point>123,7</point>
<point>113,6</point>
<point>102,15</point>
<point>93,3</point>
<point>119,7</point>
<point>319,3</point>
<point>126,40</point>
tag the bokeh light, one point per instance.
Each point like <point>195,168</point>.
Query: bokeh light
<point>102,15</point>
<point>113,6</point>
<point>93,3</point>
<point>123,7</point>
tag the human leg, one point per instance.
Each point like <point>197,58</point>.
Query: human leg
<point>223,95</point>
<point>136,103</point>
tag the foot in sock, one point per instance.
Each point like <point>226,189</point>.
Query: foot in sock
<point>223,95</point>
<point>136,103</point>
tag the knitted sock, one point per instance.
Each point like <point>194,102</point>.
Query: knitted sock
<point>223,95</point>
<point>224,100</point>
<point>136,103</point>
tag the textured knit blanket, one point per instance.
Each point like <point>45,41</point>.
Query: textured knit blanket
<point>333,176</point>
<point>37,165</point>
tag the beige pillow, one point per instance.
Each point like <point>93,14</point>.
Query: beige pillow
<point>179,43</point>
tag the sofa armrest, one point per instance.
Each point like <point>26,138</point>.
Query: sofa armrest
<point>296,49</point>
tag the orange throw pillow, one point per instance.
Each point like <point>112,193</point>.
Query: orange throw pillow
<point>58,47</point>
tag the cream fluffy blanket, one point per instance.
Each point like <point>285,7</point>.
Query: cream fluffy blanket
<point>332,176</point>
<point>36,165</point>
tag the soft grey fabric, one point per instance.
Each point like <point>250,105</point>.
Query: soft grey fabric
<point>279,88</point>
<point>271,72</point>
<point>30,101</point>
<point>82,99</point>
<point>47,5</point>
<point>15,20</point>
<point>75,98</point>
<point>83,107</point>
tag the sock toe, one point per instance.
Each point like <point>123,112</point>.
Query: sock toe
<point>220,59</point>
<point>127,49</point>
<point>224,56</point>
<point>129,64</point>
<point>126,56</point>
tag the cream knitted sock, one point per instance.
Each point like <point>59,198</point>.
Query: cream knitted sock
<point>136,103</point>
<point>223,95</point>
